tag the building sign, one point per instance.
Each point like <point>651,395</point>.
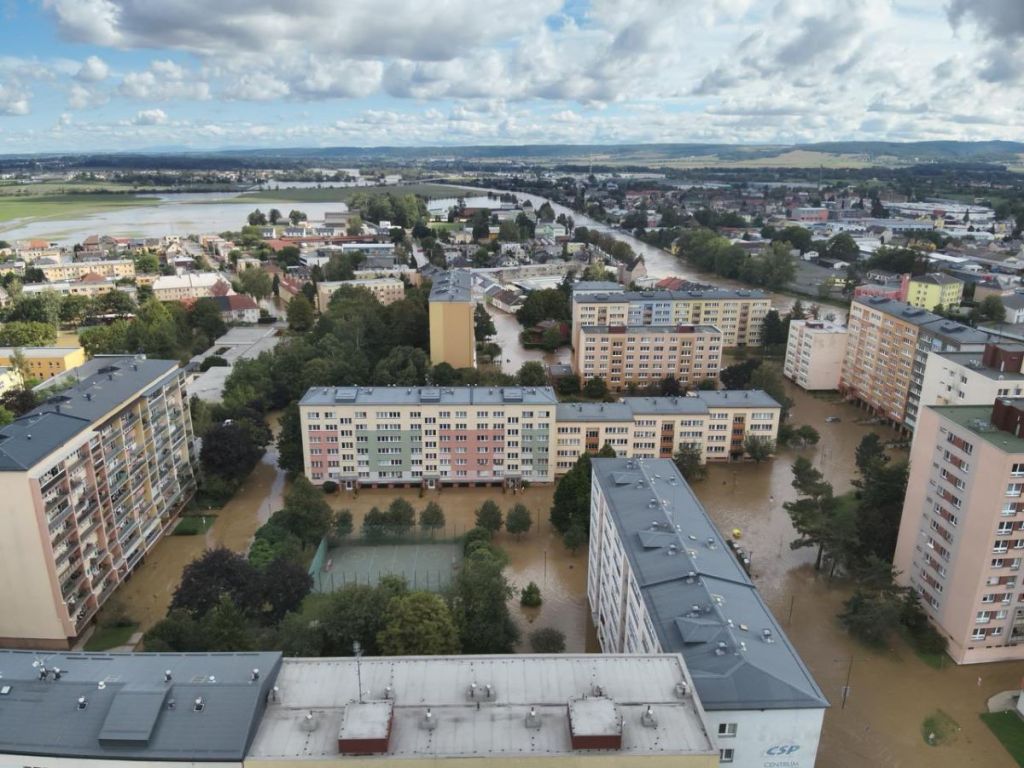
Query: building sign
<point>782,756</point>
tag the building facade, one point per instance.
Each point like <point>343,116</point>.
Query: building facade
<point>427,436</point>
<point>386,290</point>
<point>44,362</point>
<point>190,286</point>
<point>660,579</point>
<point>961,539</point>
<point>92,479</point>
<point>643,355</point>
<point>76,270</point>
<point>934,290</point>
<point>814,354</point>
<point>972,378</point>
<point>451,320</point>
<point>739,314</point>
<point>887,351</point>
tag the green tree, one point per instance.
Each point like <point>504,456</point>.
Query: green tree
<point>882,490</point>
<point>401,517</point>
<point>418,624</point>
<point>508,231</point>
<point>870,452</point>
<point>758,447</point>
<point>843,247</point>
<point>306,513</point>
<point>779,267</point>
<point>255,282</point>
<point>257,218</point>
<point>595,388</point>
<point>480,603</point>
<point>215,575</point>
<point>489,517</point>
<point>230,450</point>
<point>342,527</point>
<point>547,640</point>
<point>818,517</point>
<point>990,309</point>
<point>545,304</point>
<point>773,331</point>
<point>552,338</point>
<point>483,325</point>
<point>689,461</point>
<point>28,334</point>
<point>295,216</point>
<point>768,377</point>
<point>274,216</point>
<point>300,313</point>
<point>530,597</point>
<point>532,374</point>
<point>432,517</point>
<point>575,537</point>
<point>519,520</point>
<point>355,226</point>
<point>375,525</point>
<point>74,309</point>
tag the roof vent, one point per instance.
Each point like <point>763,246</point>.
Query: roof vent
<point>721,648</point>
<point>533,719</point>
<point>691,576</point>
<point>198,705</point>
<point>309,722</point>
<point>429,722</point>
<point>167,676</point>
<point>255,675</point>
<point>82,703</point>
<point>711,542</point>
<point>101,686</point>
<point>682,689</point>
<point>647,719</point>
<point>766,635</point>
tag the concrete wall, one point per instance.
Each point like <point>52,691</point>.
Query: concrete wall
<point>451,333</point>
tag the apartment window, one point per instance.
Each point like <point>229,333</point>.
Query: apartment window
<point>726,755</point>
<point>727,730</point>
<point>1014,489</point>
<point>978,634</point>
<point>1017,470</point>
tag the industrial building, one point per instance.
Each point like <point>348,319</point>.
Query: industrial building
<point>660,579</point>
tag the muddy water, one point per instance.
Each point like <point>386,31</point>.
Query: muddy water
<point>147,594</point>
<point>514,354</point>
<point>536,556</point>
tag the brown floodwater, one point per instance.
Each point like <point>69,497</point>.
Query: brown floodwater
<point>513,354</point>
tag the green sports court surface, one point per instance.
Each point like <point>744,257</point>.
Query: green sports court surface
<point>424,565</point>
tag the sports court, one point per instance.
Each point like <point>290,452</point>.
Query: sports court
<point>423,565</point>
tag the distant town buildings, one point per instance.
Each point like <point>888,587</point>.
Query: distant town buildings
<point>92,479</point>
<point>190,286</point>
<point>76,270</point>
<point>44,362</point>
<point>660,579</point>
<point>386,290</point>
<point>645,354</point>
<point>451,320</point>
<point>814,354</point>
<point>961,536</point>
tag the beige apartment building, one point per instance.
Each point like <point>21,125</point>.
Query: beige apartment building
<point>717,423</point>
<point>386,290</point>
<point>973,378</point>
<point>451,320</point>
<point>190,286</point>
<point>91,480</point>
<point>646,354</point>
<point>44,362</point>
<point>738,314</point>
<point>76,270</point>
<point>887,351</point>
<point>814,354</point>
<point>961,540</point>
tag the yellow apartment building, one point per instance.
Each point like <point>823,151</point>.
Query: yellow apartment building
<point>45,362</point>
<point>451,320</point>
<point>76,270</point>
<point>932,290</point>
<point>386,290</point>
<point>646,354</point>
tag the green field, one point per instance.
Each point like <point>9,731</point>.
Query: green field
<point>36,207</point>
<point>347,193</point>
<point>1009,729</point>
<point>105,638</point>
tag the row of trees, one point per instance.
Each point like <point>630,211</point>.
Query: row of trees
<point>160,330</point>
<point>710,252</point>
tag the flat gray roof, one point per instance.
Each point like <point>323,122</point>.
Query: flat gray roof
<point>453,285</point>
<point>597,286</point>
<point>136,714</point>
<point>643,296</point>
<point>31,352</point>
<point>738,398</point>
<point>103,384</point>
<point>929,323</point>
<point>973,361</point>
<point>478,725</point>
<point>568,412</point>
<point>700,600</point>
<point>666,405</point>
<point>698,403</point>
<point>325,396</point>
<point>935,278</point>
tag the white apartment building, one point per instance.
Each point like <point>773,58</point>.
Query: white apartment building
<point>660,578</point>
<point>973,378</point>
<point>814,354</point>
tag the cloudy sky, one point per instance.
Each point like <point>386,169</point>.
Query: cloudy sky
<point>123,74</point>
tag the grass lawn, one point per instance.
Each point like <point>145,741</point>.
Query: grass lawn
<point>939,728</point>
<point>35,207</point>
<point>344,194</point>
<point>1009,729</point>
<point>105,638</point>
<point>194,525</point>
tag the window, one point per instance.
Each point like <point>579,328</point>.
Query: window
<point>726,755</point>
<point>727,730</point>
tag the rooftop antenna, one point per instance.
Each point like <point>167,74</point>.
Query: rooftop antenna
<point>357,649</point>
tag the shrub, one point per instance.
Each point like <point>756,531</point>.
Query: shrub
<point>531,596</point>
<point>330,486</point>
<point>547,640</point>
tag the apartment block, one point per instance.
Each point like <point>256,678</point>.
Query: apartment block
<point>660,579</point>
<point>451,320</point>
<point>386,290</point>
<point>961,540</point>
<point>259,710</point>
<point>934,290</point>
<point>76,270</point>
<point>717,423</point>
<point>428,436</point>
<point>738,314</point>
<point>645,354</point>
<point>92,479</point>
<point>44,362</point>
<point>814,354</point>
<point>887,351</point>
<point>973,378</point>
<point>190,286</point>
